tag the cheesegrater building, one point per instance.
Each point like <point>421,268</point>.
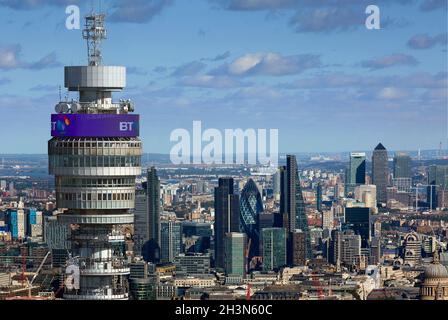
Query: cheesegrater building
<point>95,156</point>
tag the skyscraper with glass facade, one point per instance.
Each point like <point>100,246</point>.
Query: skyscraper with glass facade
<point>356,172</point>
<point>402,165</point>
<point>170,240</point>
<point>234,254</point>
<point>274,248</point>
<point>380,172</point>
<point>227,217</point>
<point>292,204</point>
<point>251,206</point>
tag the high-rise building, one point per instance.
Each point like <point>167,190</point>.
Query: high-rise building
<point>140,221</point>
<point>142,283</point>
<point>281,220</point>
<point>234,254</point>
<point>375,251</point>
<point>227,217</point>
<point>356,172</point>
<point>147,217</point>
<point>319,197</point>
<point>346,247</point>
<point>402,165</point>
<point>35,223</point>
<point>438,175</point>
<point>251,206</point>
<point>16,222</point>
<point>296,248</point>
<point>95,156</point>
<point>276,182</point>
<point>328,219</point>
<point>170,240</point>
<point>153,192</point>
<point>380,172</point>
<point>358,220</point>
<point>274,248</point>
<point>367,194</point>
<point>293,202</point>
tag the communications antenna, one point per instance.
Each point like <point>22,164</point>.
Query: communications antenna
<point>94,32</point>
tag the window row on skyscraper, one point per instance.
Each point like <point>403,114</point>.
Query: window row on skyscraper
<point>95,147</point>
<point>80,161</point>
<point>69,182</point>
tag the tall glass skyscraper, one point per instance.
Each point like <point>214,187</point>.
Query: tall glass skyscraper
<point>293,202</point>
<point>170,240</point>
<point>153,192</point>
<point>251,206</point>
<point>227,217</point>
<point>319,197</point>
<point>95,156</point>
<point>235,247</point>
<point>402,165</point>
<point>274,248</point>
<point>380,172</point>
<point>356,171</point>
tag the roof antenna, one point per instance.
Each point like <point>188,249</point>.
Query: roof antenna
<point>94,32</point>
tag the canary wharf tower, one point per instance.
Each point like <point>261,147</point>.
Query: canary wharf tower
<point>95,156</point>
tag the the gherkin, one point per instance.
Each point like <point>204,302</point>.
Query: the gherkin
<point>251,206</point>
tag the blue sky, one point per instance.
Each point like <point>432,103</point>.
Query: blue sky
<point>309,68</point>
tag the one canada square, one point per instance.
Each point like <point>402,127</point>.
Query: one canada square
<point>95,156</point>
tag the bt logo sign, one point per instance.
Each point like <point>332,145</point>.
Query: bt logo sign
<point>126,126</point>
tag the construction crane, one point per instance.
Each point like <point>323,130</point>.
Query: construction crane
<point>29,284</point>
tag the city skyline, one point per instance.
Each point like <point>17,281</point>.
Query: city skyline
<point>284,72</point>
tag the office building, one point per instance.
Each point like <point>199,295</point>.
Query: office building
<point>380,172</point>
<point>346,248</point>
<point>140,221</point>
<point>170,240</point>
<point>402,165</point>
<point>328,219</point>
<point>402,184</point>
<point>356,172</point>
<point>296,248</point>
<point>358,220</point>
<point>274,248</point>
<point>251,206</point>
<point>16,221</point>
<point>153,193</point>
<point>292,204</point>
<point>367,194</point>
<point>227,217</point>
<point>234,254</point>
<point>142,283</point>
<point>319,197</point>
<point>191,264</point>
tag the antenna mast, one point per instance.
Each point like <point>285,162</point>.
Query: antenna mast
<point>94,32</point>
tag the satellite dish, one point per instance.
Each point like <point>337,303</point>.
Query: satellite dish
<point>75,107</point>
<point>72,277</point>
<point>65,107</point>
<point>58,108</point>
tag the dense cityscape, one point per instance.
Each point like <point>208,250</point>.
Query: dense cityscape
<point>373,226</point>
<point>97,218</point>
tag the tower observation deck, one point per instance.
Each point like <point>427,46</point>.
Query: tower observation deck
<point>95,156</point>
